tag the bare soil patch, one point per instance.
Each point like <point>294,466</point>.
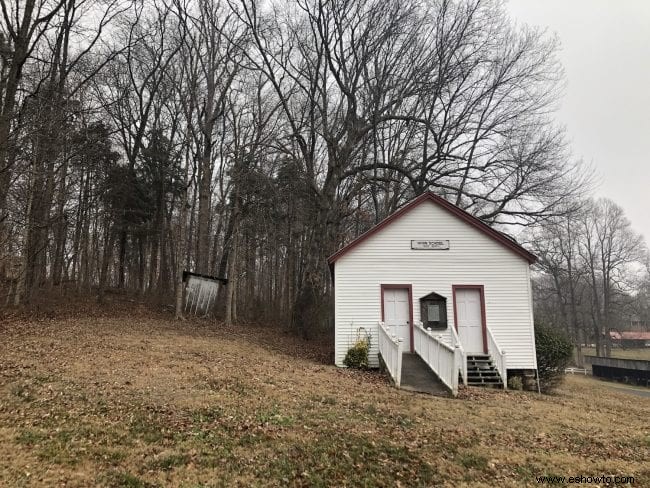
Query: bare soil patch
<point>127,399</point>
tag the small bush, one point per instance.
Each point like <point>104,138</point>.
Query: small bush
<point>357,355</point>
<point>515,383</point>
<point>554,351</point>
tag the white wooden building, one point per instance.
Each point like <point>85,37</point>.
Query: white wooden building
<point>431,265</point>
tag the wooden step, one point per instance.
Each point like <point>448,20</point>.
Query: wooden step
<point>478,377</point>
<point>487,385</point>
<point>482,367</point>
<point>483,379</point>
<point>482,372</point>
<point>471,377</point>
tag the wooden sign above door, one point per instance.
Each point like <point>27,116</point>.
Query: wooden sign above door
<point>430,245</point>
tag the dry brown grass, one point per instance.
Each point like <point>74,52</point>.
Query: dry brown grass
<point>131,400</point>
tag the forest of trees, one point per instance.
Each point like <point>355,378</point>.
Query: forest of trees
<point>251,139</point>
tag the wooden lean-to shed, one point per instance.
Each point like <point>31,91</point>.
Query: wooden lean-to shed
<point>201,292</point>
<point>434,281</point>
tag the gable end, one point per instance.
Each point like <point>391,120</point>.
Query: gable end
<point>449,207</point>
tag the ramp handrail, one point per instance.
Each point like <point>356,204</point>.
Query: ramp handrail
<point>463,356</point>
<point>390,349</point>
<point>439,356</point>
<point>499,357</point>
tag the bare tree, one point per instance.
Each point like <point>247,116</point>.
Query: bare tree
<point>250,139</point>
<point>590,259</point>
<point>22,28</point>
<point>49,112</point>
<point>337,69</point>
<point>557,245</point>
<point>215,47</point>
<point>610,249</point>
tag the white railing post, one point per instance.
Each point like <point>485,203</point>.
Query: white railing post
<point>462,367</point>
<point>398,372</point>
<point>458,357</point>
<point>505,370</point>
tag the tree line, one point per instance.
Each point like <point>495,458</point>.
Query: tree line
<point>251,139</point>
<point>595,274</point>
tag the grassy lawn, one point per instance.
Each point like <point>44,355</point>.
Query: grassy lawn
<point>617,352</point>
<point>135,401</point>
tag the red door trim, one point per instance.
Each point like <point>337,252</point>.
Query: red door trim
<point>409,288</point>
<point>481,290</point>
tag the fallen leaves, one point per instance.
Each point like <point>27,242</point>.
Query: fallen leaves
<point>149,401</point>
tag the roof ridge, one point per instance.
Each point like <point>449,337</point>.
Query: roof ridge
<point>470,219</point>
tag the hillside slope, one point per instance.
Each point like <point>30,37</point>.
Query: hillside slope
<point>139,401</point>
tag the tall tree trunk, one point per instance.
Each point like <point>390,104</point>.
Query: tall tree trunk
<point>181,245</point>
<point>310,306</point>
<point>182,238</point>
<point>61,229</point>
<point>11,82</point>
<point>203,224</point>
<point>205,182</point>
<point>21,283</point>
<point>109,241</point>
<point>121,279</point>
<point>231,310</point>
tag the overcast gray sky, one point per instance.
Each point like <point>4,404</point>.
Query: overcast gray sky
<point>606,106</point>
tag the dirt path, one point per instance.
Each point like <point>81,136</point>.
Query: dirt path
<point>138,401</point>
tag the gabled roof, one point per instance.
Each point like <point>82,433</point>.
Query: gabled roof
<point>452,209</point>
<point>433,296</point>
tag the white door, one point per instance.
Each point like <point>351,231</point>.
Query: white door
<point>396,315</point>
<point>470,323</point>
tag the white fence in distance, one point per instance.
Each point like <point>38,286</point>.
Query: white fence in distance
<point>583,371</point>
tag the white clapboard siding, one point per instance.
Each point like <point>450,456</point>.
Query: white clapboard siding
<point>474,258</point>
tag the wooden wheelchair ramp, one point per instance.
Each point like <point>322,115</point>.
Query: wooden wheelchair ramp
<point>418,377</point>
